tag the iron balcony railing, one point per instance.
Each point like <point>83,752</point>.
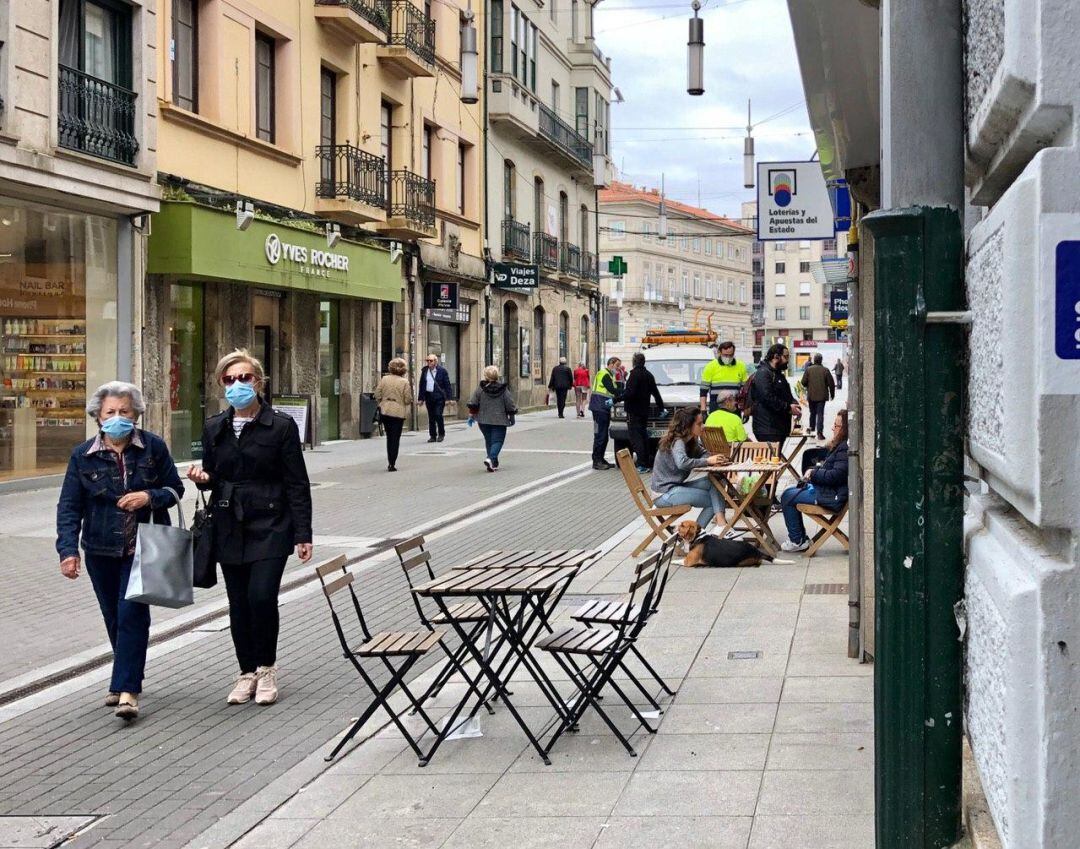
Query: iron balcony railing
<point>412,29</point>
<point>564,136</point>
<point>590,266</point>
<point>515,239</point>
<point>412,197</point>
<point>96,117</point>
<point>570,260</point>
<point>546,251</point>
<point>346,171</point>
<point>375,12</point>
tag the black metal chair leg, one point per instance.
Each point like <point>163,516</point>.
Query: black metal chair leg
<point>651,671</point>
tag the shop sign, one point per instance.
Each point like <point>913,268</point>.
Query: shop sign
<point>460,315</point>
<point>793,202</point>
<point>802,343</point>
<point>297,408</point>
<point>525,364</point>
<point>509,275</point>
<point>317,263</point>
<point>440,295</point>
<point>1067,307</point>
<point>838,308</point>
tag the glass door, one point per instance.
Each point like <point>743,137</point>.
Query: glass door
<point>187,389</point>
<point>329,371</point>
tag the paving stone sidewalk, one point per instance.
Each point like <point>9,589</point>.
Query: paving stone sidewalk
<point>774,752</point>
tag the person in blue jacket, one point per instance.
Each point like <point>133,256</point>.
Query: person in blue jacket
<point>113,482</point>
<point>435,391</point>
<point>825,485</point>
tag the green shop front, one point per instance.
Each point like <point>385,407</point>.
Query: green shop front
<point>310,312</point>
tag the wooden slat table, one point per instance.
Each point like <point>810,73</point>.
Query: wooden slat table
<point>532,588</point>
<point>744,514</point>
<point>497,559</point>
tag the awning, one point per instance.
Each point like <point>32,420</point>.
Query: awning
<point>189,240</point>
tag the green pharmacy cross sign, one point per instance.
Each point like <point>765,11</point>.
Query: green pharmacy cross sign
<point>616,266</point>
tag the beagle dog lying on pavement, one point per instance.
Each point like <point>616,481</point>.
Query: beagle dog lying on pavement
<point>712,551</point>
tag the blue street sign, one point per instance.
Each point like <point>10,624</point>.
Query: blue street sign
<point>1067,308</point>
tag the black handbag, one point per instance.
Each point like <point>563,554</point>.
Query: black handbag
<point>202,529</point>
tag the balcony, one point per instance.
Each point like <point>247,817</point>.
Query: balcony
<point>410,48</point>
<point>515,239</point>
<point>590,267</point>
<point>546,251</point>
<point>352,184</point>
<point>565,139</point>
<point>570,260</point>
<point>410,208</point>
<point>96,117</point>
<point>358,21</point>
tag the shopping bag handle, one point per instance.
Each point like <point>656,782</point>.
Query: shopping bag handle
<point>179,507</point>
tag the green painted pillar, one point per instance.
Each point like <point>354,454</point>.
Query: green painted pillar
<point>919,380</point>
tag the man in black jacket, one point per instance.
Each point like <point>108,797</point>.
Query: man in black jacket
<point>640,388</point>
<point>562,380</point>
<point>774,405</point>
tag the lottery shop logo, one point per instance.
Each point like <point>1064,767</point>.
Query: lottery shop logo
<point>782,187</point>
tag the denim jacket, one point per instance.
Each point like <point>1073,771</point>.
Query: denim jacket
<point>92,486</point>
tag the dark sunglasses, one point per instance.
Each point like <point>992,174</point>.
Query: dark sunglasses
<point>230,379</point>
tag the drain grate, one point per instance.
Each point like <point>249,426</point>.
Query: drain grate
<point>744,655</point>
<point>826,589</point>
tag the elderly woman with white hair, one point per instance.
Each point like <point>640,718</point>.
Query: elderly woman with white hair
<point>493,407</point>
<point>115,481</point>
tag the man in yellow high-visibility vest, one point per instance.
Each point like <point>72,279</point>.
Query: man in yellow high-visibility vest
<point>723,374</point>
<point>604,395</point>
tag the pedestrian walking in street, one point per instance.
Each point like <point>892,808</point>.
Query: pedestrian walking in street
<point>581,389</point>
<point>838,370</point>
<point>727,418</point>
<point>774,405</point>
<point>824,485</point>
<point>394,397</point>
<point>820,388</point>
<point>724,373</point>
<point>561,382</point>
<point>640,390</point>
<point>680,452</point>
<point>493,408</point>
<point>604,395</point>
<point>254,467</point>
<point>116,480</point>
<point>435,391</point>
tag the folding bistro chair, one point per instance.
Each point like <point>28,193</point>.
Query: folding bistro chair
<point>398,651</point>
<point>605,652</point>
<point>605,612</point>
<point>659,519</point>
<point>470,613</point>
<point>716,441</point>
<point>830,526</point>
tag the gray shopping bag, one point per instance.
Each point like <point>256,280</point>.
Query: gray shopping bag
<point>161,572</point>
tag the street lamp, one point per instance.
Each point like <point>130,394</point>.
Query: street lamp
<point>748,152</point>
<point>469,92</point>
<point>695,54</point>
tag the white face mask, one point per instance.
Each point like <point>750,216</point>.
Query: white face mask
<point>726,360</point>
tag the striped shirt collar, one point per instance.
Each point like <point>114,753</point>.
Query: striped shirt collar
<point>99,445</point>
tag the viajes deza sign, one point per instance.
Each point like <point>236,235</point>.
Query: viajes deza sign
<point>305,260</point>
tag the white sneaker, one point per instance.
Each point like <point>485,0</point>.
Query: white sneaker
<point>488,464</point>
<point>266,689</point>
<point>244,689</point>
<point>788,545</point>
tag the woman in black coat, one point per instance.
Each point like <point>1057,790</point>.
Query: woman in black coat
<point>261,504</point>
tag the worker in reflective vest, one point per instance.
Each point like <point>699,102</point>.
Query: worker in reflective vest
<point>604,395</point>
<point>723,374</point>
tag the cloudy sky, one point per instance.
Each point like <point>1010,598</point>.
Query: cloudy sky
<point>749,53</point>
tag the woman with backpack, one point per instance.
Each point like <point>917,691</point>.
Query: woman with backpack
<point>493,408</point>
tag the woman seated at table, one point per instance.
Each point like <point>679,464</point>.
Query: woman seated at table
<point>824,485</point>
<point>681,452</point>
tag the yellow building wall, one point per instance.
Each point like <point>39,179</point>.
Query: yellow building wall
<point>218,146</point>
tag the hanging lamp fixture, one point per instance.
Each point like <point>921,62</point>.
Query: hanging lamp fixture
<point>748,152</point>
<point>469,93</point>
<point>695,54</point>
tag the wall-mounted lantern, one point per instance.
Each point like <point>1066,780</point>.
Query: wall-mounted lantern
<point>695,54</point>
<point>469,63</point>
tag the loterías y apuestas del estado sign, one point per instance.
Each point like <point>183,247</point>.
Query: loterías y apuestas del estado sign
<point>310,260</point>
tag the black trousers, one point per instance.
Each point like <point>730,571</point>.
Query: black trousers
<point>638,430</point>
<point>253,609</point>
<point>435,425</point>
<point>392,425</point>
<point>817,416</point>
<point>769,435</point>
<point>560,400</point>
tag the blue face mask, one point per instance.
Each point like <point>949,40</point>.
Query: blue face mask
<point>117,427</point>
<point>240,395</point>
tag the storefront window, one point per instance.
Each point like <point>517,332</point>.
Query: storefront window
<point>444,341</point>
<point>329,371</point>
<point>58,282</point>
<point>186,370</point>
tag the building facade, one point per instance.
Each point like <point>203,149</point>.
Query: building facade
<point>699,275</point>
<point>757,301</point>
<point>796,301</point>
<point>548,107</point>
<point>319,171</point>
<point>77,164</point>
